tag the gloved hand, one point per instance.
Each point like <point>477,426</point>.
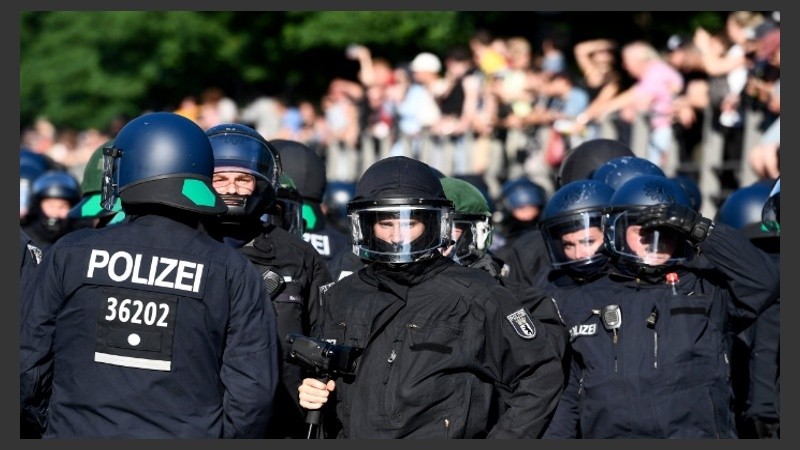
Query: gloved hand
<point>681,218</point>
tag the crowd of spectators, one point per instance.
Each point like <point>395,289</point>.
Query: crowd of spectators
<point>497,108</point>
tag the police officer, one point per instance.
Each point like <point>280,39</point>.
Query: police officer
<point>52,195</point>
<point>307,170</point>
<point>527,258</point>
<point>472,228</point>
<point>150,328</point>
<point>439,338</point>
<point>649,348</point>
<point>521,203</point>
<point>757,384</point>
<point>246,175</point>
<point>472,236</point>
<point>89,209</point>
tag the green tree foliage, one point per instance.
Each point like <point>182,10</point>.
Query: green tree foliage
<point>81,69</point>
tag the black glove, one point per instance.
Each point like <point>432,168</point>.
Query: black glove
<point>681,218</point>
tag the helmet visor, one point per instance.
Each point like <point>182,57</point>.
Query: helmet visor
<point>655,247</point>
<point>110,186</point>
<point>575,239</point>
<point>399,234</point>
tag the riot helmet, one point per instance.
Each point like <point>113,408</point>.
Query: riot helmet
<point>31,165</point>
<point>742,210</point>
<point>615,172</point>
<point>521,203</point>
<point>472,227</point>
<point>308,172</point>
<point>400,213</point>
<point>637,251</point>
<point>572,226</point>
<point>239,148</point>
<point>287,210</point>
<point>90,207</point>
<point>691,188</point>
<point>161,158</point>
<point>54,184</point>
<point>581,162</point>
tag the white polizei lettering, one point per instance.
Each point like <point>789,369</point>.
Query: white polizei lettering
<point>181,274</point>
<point>164,272</point>
<point>137,264</point>
<point>171,263</point>
<point>98,259</point>
<point>198,275</point>
<point>113,263</point>
<point>153,265</point>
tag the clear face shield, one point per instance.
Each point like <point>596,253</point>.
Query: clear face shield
<point>399,233</point>
<point>656,247</point>
<point>471,240</point>
<point>574,240</point>
<point>110,187</point>
<point>287,214</point>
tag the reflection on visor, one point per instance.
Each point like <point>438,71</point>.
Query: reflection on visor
<point>656,247</point>
<point>109,189</point>
<point>399,234</point>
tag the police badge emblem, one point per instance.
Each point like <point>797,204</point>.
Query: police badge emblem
<point>522,324</point>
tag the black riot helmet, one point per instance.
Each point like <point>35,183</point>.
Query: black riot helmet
<point>615,172</point>
<point>771,213</point>
<point>287,210</point>
<point>239,148</point>
<point>396,199</point>
<point>161,158</point>
<point>572,226</point>
<point>582,161</point>
<point>637,252</point>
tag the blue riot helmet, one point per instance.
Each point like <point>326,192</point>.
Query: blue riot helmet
<point>615,172</point>
<point>742,210</point>
<point>53,184</point>
<point>239,148</point>
<point>517,194</point>
<point>161,158</point>
<point>31,165</point>
<point>637,250</point>
<point>572,226</point>
<point>691,188</point>
<point>771,213</point>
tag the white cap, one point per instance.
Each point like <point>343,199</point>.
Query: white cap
<point>426,62</point>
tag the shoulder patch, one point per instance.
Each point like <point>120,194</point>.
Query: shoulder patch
<point>522,324</point>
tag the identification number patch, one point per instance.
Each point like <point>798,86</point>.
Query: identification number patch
<point>135,329</point>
